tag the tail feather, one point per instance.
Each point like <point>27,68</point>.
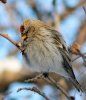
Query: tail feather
<point>77,85</point>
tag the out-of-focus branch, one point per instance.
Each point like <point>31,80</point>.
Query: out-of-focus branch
<point>71,10</point>
<point>34,89</point>
<point>76,46</point>
<point>79,56</point>
<point>3,27</point>
<point>34,7</point>
<point>84,9</point>
<point>56,18</point>
<point>81,38</point>
<point>57,85</point>
<point>54,2</point>
<point>51,81</point>
<point>3,1</point>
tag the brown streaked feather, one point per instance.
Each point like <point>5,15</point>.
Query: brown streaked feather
<point>61,45</point>
<point>66,59</point>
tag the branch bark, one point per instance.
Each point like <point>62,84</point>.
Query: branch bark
<point>80,40</point>
<point>18,45</point>
<point>34,89</point>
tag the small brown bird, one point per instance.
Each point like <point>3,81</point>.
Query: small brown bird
<point>46,50</point>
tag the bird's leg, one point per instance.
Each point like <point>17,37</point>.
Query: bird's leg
<point>45,74</point>
<point>49,79</point>
<point>39,76</point>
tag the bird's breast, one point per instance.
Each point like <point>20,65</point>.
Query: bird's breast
<point>44,57</point>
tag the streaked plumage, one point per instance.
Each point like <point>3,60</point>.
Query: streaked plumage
<point>46,50</point>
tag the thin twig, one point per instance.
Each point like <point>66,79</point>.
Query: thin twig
<point>35,78</point>
<point>34,89</point>
<point>13,42</point>
<point>34,8</point>
<point>84,9</point>
<point>71,10</point>
<point>50,80</point>
<point>79,56</point>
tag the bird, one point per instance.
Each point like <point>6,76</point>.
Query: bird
<point>46,50</point>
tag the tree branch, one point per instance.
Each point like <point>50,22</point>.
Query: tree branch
<point>34,89</point>
<point>79,56</point>
<point>84,9</point>
<point>13,42</point>
<point>51,81</point>
<point>57,85</point>
<point>3,1</point>
<point>71,10</point>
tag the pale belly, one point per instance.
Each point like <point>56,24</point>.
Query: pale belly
<point>49,62</point>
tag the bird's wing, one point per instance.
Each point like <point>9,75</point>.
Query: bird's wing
<point>61,45</point>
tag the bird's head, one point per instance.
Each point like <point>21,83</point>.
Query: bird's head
<point>26,28</point>
<point>31,27</point>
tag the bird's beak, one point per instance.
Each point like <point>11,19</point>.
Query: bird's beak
<point>24,36</point>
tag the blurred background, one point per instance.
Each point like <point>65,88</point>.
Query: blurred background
<point>67,16</point>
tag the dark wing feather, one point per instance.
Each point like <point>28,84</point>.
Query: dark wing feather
<point>61,45</point>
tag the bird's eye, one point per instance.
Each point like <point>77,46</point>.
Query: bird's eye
<point>22,29</point>
<point>29,29</point>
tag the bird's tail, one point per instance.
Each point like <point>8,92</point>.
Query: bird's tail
<point>77,85</point>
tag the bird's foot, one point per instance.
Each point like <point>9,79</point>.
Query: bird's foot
<point>45,74</point>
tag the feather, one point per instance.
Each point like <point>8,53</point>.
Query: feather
<point>61,45</point>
